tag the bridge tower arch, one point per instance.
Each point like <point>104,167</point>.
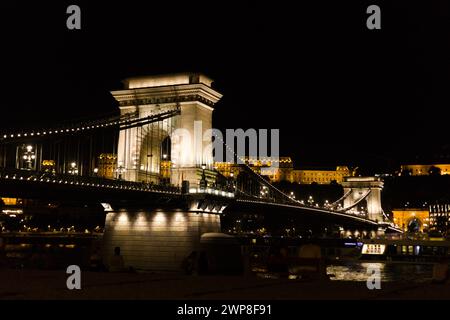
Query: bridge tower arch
<point>139,148</point>
<point>359,189</point>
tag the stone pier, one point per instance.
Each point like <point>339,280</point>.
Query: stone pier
<point>155,240</point>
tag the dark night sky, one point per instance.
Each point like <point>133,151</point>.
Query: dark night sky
<point>340,93</point>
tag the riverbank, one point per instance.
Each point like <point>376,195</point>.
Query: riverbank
<point>44,284</point>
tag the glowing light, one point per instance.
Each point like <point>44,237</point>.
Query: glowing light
<point>12,212</point>
<point>376,249</point>
<point>159,220</point>
<point>106,206</point>
<point>179,217</point>
<point>123,219</point>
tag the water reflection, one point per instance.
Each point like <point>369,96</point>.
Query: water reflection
<point>358,271</point>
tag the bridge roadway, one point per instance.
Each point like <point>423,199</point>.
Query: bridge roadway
<point>308,214</point>
<point>73,188</point>
<point>44,185</point>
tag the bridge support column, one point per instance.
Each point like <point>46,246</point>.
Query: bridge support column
<point>139,150</point>
<point>157,240</point>
<point>368,187</point>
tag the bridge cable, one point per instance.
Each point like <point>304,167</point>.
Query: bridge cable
<point>264,181</point>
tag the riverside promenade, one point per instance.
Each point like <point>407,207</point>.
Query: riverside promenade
<point>44,284</point>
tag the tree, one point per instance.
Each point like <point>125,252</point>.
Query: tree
<point>406,172</point>
<point>434,171</point>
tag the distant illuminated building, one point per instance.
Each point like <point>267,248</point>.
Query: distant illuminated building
<point>11,201</point>
<point>412,219</point>
<point>275,168</point>
<point>165,170</point>
<point>282,169</point>
<point>48,165</point>
<point>440,218</point>
<point>321,176</point>
<point>425,169</point>
<point>106,166</point>
<point>227,169</point>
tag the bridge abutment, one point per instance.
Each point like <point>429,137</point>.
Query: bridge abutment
<point>366,189</point>
<point>156,240</point>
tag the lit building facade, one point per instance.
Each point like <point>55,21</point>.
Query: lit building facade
<point>227,169</point>
<point>11,201</point>
<point>282,169</point>
<point>440,218</point>
<point>321,176</point>
<point>48,166</point>
<point>412,219</point>
<point>275,168</point>
<point>166,166</point>
<point>107,165</point>
<point>424,169</point>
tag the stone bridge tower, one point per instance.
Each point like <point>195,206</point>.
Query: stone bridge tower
<point>140,148</point>
<point>359,189</point>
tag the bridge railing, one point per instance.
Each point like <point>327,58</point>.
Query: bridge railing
<point>253,199</point>
<point>86,181</point>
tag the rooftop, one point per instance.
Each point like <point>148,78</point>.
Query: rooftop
<point>166,80</point>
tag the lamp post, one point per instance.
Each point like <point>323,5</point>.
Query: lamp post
<point>264,192</point>
<point>73,168</point>
<point>203,182</point>
<point>29,156</point>
<point>164,171</point>
<point>120,170</point>
<point>232,184</point>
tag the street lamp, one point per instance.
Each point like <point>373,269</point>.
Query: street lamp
<point>73,168</point>
<point>203,180</point>
<point>29,156</point>
<point>120,170</point>
<point>231,182</point>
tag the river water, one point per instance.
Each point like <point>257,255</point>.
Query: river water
<point>360,271</point>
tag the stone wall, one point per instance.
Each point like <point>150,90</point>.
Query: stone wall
<point>156,240</point>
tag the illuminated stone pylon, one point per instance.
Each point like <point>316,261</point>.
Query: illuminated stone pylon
<point>139,148</point>
<point>360,189</point>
